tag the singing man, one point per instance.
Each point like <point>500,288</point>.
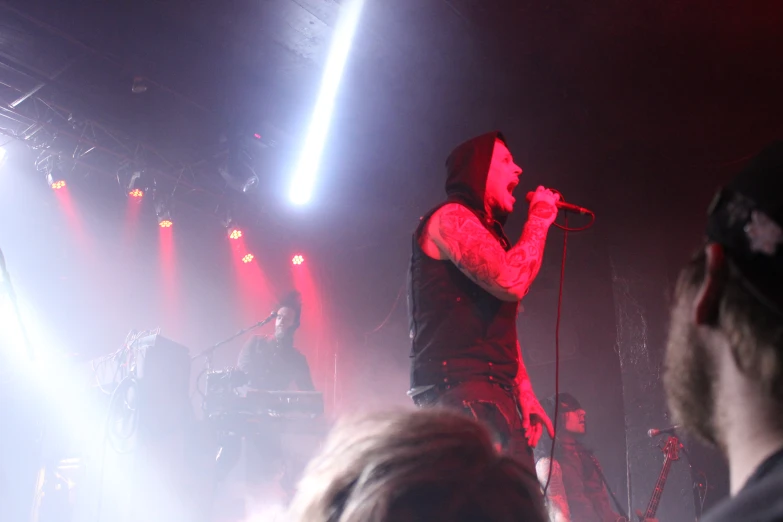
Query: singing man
<point>465,283</point>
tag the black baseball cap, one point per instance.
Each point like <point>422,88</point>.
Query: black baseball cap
<point>567,403</point>
<point>746,218</point>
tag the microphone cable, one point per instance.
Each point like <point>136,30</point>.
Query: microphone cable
<point>566,229</point>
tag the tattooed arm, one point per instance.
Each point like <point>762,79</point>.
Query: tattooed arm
<point>556,500</point>
<point>459,236</point>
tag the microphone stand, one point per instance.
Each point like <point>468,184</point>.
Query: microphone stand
<point>698,495</point>
<point>210,352</point>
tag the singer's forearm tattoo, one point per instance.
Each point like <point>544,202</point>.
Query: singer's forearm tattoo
<point>556,500</point>
<point>468,244</point>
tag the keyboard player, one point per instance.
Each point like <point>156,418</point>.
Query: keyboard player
<point>273,363</point>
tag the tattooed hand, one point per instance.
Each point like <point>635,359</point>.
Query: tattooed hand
<point>543,205</point>
<point>534,418</point>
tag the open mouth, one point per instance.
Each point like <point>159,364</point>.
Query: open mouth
<point>511,187</point>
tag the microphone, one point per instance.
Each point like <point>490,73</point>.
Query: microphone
<point>671,429</point>
<point>562,205</point>
<point>262,322</point>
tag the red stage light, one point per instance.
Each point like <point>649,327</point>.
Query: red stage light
<point>234,233</point>
<point>247,258</point>
<point>257,136</point>
<point>297,260</point>
<point>57,185</point>
<point>136,193</point>
<point>165,223</point>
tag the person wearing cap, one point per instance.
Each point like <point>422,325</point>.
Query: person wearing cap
<point>577,490</point>
<point>724,356</point>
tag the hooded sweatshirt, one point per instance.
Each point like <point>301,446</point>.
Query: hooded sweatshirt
<point>459,331</point>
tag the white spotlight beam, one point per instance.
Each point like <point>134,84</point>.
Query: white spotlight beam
<point>310,157</point>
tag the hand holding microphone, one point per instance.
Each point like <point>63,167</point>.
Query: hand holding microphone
<point>543,204</point>
<point>534,197</point>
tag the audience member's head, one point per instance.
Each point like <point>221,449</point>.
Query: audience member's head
<point>724,361</point>
<point>410,466</point>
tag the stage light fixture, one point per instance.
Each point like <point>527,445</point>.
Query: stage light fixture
<point>50,165</point>
<point>54,177</point>
<point>163,213</point>
<point>139,184</point>
<point>233,230</point>
<point>297,260</point>
<point>247,258</point>
<point>237,167</point>
<point>267,136</point>
<point>138,86</point>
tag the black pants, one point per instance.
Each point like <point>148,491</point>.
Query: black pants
<point>492,405</point>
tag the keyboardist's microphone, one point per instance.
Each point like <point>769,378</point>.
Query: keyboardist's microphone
<point>654,433</point>
<point>272,315</point>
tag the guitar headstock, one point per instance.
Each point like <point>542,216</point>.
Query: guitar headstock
<point>671,449</point>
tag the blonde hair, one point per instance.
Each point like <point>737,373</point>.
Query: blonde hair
<point>429,465</point>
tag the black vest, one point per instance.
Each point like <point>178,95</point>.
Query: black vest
<point>459,331</point>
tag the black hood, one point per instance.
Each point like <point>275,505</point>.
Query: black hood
<point>467,167</point>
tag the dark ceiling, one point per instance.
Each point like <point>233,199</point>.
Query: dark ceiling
<point>687,88</point>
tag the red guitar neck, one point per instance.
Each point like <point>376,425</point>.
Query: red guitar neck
<point>655,500</point>
<point>670,453</point>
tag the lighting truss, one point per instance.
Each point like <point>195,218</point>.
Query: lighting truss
<point>89,146</point>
